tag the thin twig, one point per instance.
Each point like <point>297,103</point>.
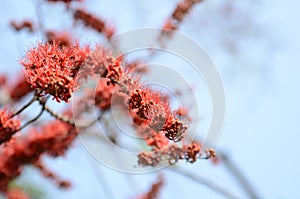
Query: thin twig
<point>88,124</point>
<point>206,182</point>
<point>79,124</point>
<point>58,116</point>
<point>34,119</point>
<point>238,175</point>
<point>25,106</point>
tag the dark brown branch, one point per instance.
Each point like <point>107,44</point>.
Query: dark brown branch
<point>59,117</point>
<point>35,118</point>
<point>25,106</point>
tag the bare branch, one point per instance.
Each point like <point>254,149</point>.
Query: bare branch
<point>206,182</point>
<point>34,98</point>
<point>238,175</point>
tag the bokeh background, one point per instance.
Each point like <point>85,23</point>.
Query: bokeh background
<point>255,46</point>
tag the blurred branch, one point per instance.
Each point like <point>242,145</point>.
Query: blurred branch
<point>106,188</point>
<point>204,181</point>
<point>238,175</point>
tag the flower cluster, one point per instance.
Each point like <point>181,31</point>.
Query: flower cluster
<point>154,190</point>
<point>152,106</point>
<point>103,95</point>
<point>49,174</point>
<point>52,69</point>
<point>181,10</point>
<point>8,126</point>
<point>52,139</point>
<point>93,22</point>
<point>101,62</point>
<point>172,153</point>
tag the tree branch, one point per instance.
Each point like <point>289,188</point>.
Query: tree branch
<point>25,106</point>
<point>238,175</point>
<point>206,182</point>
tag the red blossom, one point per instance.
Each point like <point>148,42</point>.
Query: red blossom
<point>103,94</point>
<point>154,190</point>
<point>49,174</point>
<point>173,153</point>
<point>113,71</point>
<point>149,104</point>
<point>148,159</point>
<point>51,69</point>
<point>157,141</point>
<point>174,128</point>
<point>152,106</point>
<point>93,22</point>
<point>193,151</point>
<point>180,12</point>
<point>97,61</point>
<point>53,139</point>
<point>8,126</point>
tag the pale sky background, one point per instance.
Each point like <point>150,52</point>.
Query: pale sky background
<point>261,131</point>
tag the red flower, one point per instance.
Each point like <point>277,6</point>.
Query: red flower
<point>174,128</point>
<point>8,126</point>
<point>154,190</point>
<point>193,150</point>
<point>157,140</point>
<point>52,69</point>
<point>152,106</point>
<point>54,139</point>
<point>103,94</point>
<point>148,159</point>
<point>101,62</point>
<point>93,22</point>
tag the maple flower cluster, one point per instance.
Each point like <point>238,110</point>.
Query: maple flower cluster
<point>8,126</point>
<point>52,139</point>
<point>150,110</point>
<point>172,153</point>
<point>182,9</point>
<point>154,189</point>
<point>52,69</point>
<point>93,22</point>
<point>151,106</point>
